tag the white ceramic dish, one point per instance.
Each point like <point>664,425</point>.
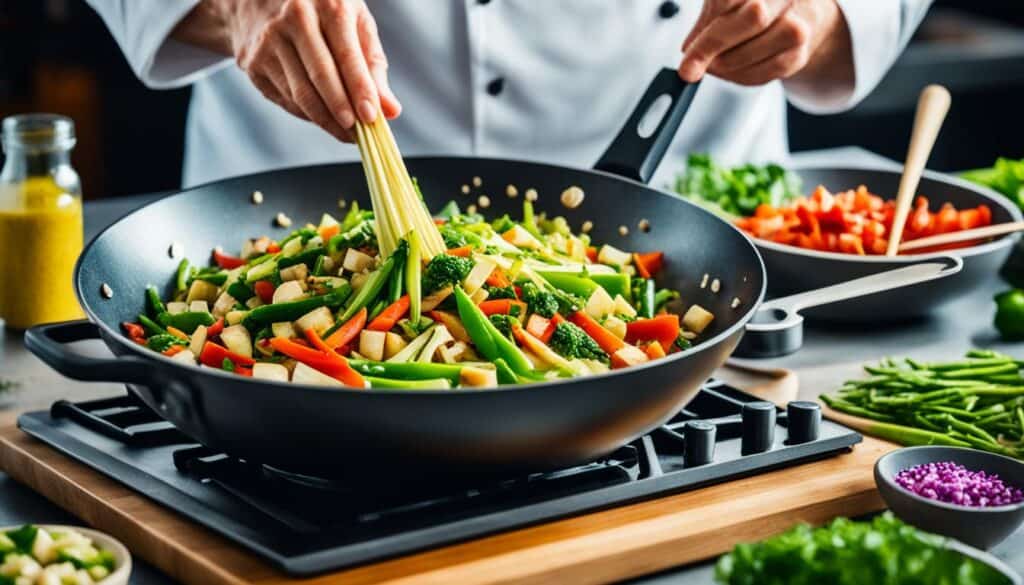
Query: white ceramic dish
<point>122,557</point>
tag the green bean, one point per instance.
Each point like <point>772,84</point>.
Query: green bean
<point>969,428</point>
<point>981,422</point>
<point>851,408</point>
<point>980,372</point>
<point>966,364</point>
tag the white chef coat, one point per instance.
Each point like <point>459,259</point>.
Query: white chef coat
<point>569,73</point>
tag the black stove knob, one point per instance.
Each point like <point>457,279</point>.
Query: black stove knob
<point>804,421</point>
<point>698,443</point>
<point>758,427</point>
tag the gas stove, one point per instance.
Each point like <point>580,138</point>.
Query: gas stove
<point>307,525</point>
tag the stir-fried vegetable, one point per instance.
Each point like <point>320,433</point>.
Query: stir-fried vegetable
<point>44,555</point>
<point>509,302</point>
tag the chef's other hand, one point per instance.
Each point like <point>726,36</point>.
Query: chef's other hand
<point>752,42</point>
<point>321,60</point>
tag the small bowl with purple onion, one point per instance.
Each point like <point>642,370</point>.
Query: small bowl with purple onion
<point>973,496</point>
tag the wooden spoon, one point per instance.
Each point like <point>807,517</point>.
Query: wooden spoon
<point>989,231</point>
<point>932,107</point>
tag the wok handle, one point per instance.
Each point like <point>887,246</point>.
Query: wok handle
<point>636,156</point>
<point>49,343</point>
<point>777,326</point>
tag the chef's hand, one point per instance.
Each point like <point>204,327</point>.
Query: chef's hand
<point>321,60</point>
<point>752,42</point>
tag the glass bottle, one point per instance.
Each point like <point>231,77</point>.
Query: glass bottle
<point>40,221</point>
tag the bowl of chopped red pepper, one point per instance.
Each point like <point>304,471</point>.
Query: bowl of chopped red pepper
<point>840,232</point>
<point>974,496</point>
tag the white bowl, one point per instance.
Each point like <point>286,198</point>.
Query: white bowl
<point>122,558</point>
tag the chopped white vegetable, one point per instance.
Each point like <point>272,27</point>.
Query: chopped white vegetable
<point>327,220</point>
<point>393,343</point>
<point>199,307</point>
<point>697,318</point>
<point>631,355</point>
<point>42,548</point>
<point>175,307</point>
<point>431,301</point>
<point>440,336</point>
<point>613,256</point>
<point>519,237</point>
<point>291,247</point>
<point>545,353</point>
<point>482,269</point>
<point>600,304</point>
<point>479,296</point>
<point>616,326</point>
<point>410,351</point>
<point>622,307</point>
<point>201,291</point>
<point>356,261</point>
<point>283,329</point>
<point>185,357</point>
<point>288,291</point>
<point>237,339</point>
<point>268,371</point>
<point>295,272</point>
<point>478,377</point>
<point>235,317</point>
<point>303,374</point>
<point>254,302</point>
<point>358,280</point>
<point>456,352</point>
<point>319,319</point>
<point>314,242</point>
<point>225,303</point>
<point>197,341</point>
<point>371,344</point>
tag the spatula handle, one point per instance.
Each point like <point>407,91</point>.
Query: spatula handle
<point>932,107</point>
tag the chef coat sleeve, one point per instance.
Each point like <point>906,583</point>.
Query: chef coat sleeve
<point>879,31</point>
<point>142,29</point>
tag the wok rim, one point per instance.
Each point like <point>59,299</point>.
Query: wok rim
<point>740,323</point>
<point>992,198</point>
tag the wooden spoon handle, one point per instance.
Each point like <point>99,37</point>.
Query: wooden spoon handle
<point>932,107</point>
<point>989,231</point>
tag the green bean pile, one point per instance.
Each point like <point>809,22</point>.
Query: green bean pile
<point>977,402</point>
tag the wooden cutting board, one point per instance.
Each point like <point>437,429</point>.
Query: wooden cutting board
<point>600,547</point>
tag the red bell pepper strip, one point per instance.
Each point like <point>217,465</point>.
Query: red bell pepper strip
<point>462,251</point>
<point>592,253</point>
<point>134,330</point>
<point>226,261</point>
<point>213,355</point>
<point>345,374</point>
<point>662,328</point>
<point>390,315</point>
<point>604,338</point>
<point>347,332</point>
<point>273,248</point>
<point>647,265</point>
<point>323,359</point>
<point>215,329</point>
<point>264,289</point>
<point>502,307</point>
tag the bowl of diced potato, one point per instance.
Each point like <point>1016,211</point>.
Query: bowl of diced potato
<point>62,555</point>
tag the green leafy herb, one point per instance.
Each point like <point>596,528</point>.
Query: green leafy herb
<point>882,551</point>
<point>1006,176</point>
<point>738,190</point>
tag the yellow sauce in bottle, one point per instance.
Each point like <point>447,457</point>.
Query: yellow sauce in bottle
<point>40,240</point>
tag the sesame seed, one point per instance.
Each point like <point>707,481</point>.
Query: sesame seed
<point>644,225</point>
<point>174,250</point>
<point>623,230</point>
<point>465,189</point>
<point>342,203</point>
<point>471,209</point>
<point>735,302</point>
<point>704,281</point>
<point>716,285</point>
<point>531,195</point>
<point>477,181</point>
<point>688,335</point>
<point>106,291</point>
<point>511,191</point>
<point>283,220</point>
<point>257,197</point>
<point>572,197</point>
<point>587,226</point>
<point>484,201</point>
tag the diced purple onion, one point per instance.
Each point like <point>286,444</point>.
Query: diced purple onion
<point>953,483</point>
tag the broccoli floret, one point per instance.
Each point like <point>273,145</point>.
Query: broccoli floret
<point>572,342</point>
<point>494,292</point>
<point>542,302</point>
<point>452,237</point>
<point>503,323</point>
<point>444,270</point>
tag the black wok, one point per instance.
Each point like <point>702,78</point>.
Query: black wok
<point>323,431</point>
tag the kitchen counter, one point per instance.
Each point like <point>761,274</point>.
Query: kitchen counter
<point>830,355</point>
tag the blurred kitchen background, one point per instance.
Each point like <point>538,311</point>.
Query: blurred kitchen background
<point>56,56</point>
